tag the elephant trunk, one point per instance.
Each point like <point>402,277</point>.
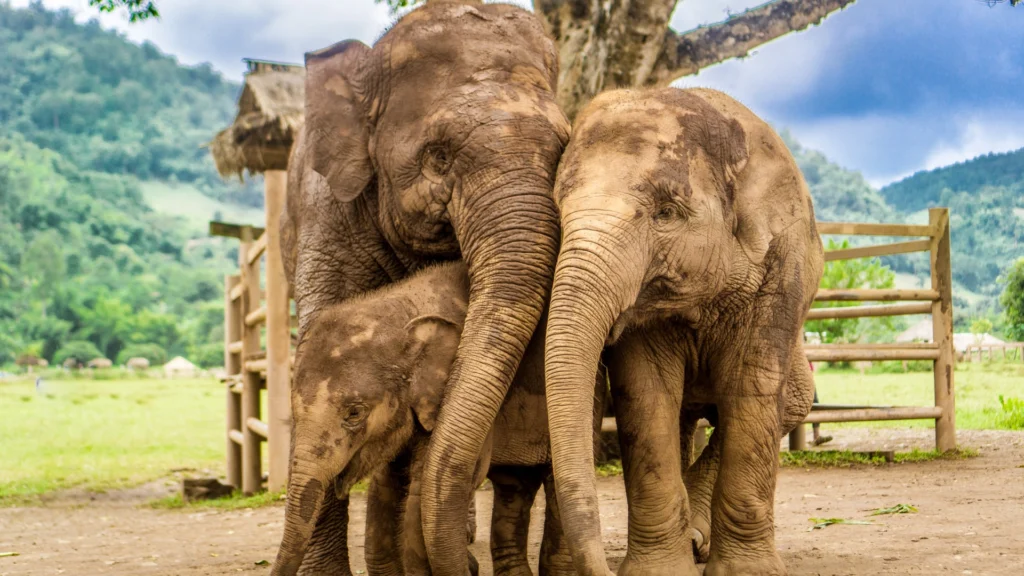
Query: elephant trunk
<point>310,481</point>
<point>509,238</point>
<point>598,276</point>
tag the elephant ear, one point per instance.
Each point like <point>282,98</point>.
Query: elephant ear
<point>337,122</point>
<point>430,350</point>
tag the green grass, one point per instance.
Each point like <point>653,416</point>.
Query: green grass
<point>101,435</point>
<point>847,459</point>
<point>184,200</point>
<point>978,388</point>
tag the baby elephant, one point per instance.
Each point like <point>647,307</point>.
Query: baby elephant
<point>366,404</point>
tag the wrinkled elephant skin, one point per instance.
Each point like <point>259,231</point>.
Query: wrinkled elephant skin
<point>689,247</point>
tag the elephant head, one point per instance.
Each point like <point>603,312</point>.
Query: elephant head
<point>446,136</point>
<point>670,203</point>
<point>370,376</point>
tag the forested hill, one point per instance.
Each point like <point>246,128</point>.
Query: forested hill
<point>94,131</point>
<point>108,105</point>
<point>924,189</point>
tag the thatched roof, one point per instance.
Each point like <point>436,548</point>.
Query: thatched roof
<point>270,112</point>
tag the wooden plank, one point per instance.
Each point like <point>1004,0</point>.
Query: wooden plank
<point>866,295</point>
<point>236,438</point>
<point>868,311</point>
<point>865,229</point>
<point>942,330</point>
<point>897,346</point>
<point>875,414</point>
<point>235,347</point>
<point>878,250</point>
<point>869,355</point>
<point>258,427</point>
<point>608,424</point>
<point>278,318</point>
<point>256,317</point>
<point>258,248</point>
<point>232,230</point>
<point>232,365</point>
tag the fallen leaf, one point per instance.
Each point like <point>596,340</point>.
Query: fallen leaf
<point>262,563</point>
<point>822,523</point>
<point>8,554</point>
<point>897,509</point>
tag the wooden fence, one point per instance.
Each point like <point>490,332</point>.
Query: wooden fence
<point>936,301</point>
<point>249,367</point>
<point>1008,350</point>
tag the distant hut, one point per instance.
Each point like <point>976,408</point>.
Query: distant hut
<point>270,114</point>
<point>99,363</point>
<point>179,367</point>
<point>137,364</point>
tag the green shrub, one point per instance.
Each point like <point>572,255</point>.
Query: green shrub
<point>152,352</point>
<point>1013,412</point>
<point>81,350</point>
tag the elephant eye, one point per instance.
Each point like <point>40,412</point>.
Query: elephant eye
<point>355,414</point>
<point>437,158</point>
<point>667,212</point>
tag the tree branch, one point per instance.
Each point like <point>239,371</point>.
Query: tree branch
<point>685,54</point>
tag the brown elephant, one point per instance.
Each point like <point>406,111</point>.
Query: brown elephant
<point>440,141</point>
<point>373,372</point>
<point>689,246</point>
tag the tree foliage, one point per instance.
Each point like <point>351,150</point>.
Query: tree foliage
<point>1012,300</point>
<point>137,10</point>
<point>850,275</point>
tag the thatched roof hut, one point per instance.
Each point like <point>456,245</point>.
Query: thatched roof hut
<point>270,113</point>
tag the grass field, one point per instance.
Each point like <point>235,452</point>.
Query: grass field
<point>108,434</point>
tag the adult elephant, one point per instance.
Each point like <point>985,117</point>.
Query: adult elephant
<point>689,245</point>
<point>440,141</point>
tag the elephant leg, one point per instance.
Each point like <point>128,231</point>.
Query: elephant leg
<point>555,556</point>
<point>414,549</point>
<point>700,481</point>
<point>648,397</point>
<point>515,488</point>
<point>327,554</point>
<point>742,508</point>
<point>389,488</point>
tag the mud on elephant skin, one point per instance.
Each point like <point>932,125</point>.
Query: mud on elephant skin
<point>689,247</point>
<point>439,141</point>
<point>366,400</point>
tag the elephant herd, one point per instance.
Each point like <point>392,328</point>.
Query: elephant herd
<point>471,272</point>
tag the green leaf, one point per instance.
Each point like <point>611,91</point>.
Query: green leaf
<point>262,563</point>
<point>897,509</point>
<point>822,523</point>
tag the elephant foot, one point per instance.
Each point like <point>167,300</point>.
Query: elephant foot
<point>683,566</point>
<point>767,565</point>
<point>701,546</point>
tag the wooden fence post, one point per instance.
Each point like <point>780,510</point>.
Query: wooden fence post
<point>251,474</point>
<point>279,410</point>
<point>798,438</point>
<point>942,327</point>
<point>232,366</point>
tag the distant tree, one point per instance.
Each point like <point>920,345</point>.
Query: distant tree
<point>850,275</point>
<point>629,44</point>
<point>137,10</point>
<point>980,327</point>
<point>1012,300</point>
<point>81,350</point>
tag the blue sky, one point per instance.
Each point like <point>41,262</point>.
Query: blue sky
<point>887,87</point>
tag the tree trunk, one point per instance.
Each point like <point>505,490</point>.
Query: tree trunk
<point>606,44</point>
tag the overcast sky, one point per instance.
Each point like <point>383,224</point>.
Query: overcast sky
<point>887,87</point>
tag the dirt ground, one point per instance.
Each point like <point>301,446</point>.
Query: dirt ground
<point>970,521</point>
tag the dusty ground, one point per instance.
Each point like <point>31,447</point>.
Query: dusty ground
<point>971,521</point>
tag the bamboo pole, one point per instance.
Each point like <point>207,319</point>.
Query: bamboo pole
<point>869,295</point>
<point>878,250</point>
<point>942,326</point>
<point>853,354</point>
<point>278,320</point>
<point>864,229</point>
<point>232,366</point>
<point>251,473</point>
